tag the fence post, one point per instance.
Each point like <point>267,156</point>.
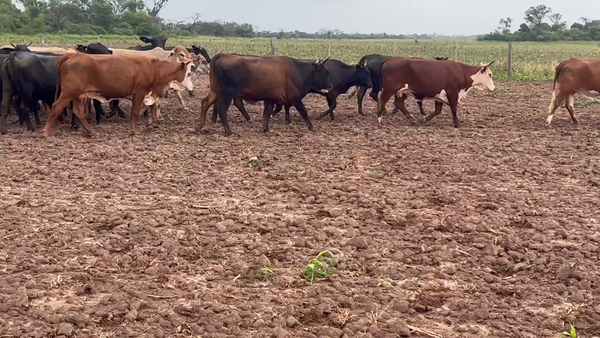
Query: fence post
<point>395,51</point>
<point>272,47</point>
<point>329,53</point>
<point>509,59</point>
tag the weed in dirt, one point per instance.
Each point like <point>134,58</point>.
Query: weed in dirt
<point>265,273</point>
<point>571,334</point>
<point>374,316</point>
<point>321,266</point>
<point>385,284</point>
<point>158,159</point>
<point>254,162</point>
<point>588,102</point>
<point>342,317</point>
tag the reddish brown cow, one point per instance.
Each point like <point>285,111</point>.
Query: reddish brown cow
<point>106,77</point>
<point>574,76</point>
<point>445,81</point>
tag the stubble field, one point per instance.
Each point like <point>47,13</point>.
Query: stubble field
<point>490,230</point>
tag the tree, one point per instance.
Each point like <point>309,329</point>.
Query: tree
<point>557,23</point>
<point>505,25</point>
<point>535,15</point>
<point>523,28</point>
<point>157,7</point>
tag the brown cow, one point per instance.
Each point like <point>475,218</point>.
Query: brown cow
<point>445,81</point>
<point>272,79</point>
<point>573,76</point>
<point>102,77</point>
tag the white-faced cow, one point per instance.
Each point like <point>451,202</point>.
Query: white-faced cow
<point>447,82</point>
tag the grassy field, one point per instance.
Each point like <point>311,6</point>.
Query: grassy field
<point>531,61</point>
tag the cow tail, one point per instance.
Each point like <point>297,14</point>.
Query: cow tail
<point>380,104</point>
<point>559,68</point>
<point>61,60</point>
<point>215,73</point>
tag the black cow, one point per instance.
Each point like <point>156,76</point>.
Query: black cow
<point>17,48</point>
<point>98,48</point>
<point>241,76</point>
<point>93,48</point>
<point>30,78</point>
<point>373,62</point>
<point>155,41</point>
<point>343,77</point>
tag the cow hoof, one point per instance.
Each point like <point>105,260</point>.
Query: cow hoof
<point>3,132</point>
<point>288,122</point>
<point>265,130</point>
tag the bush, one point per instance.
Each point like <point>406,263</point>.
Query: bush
<point>147,29</point>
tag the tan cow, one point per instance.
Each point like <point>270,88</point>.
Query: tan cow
<point>573,76</point>
<point>106,77</point>
<point>178,53</point>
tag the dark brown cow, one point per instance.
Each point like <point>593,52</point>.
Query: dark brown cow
<point>106,77</point>
<point>573,76</point>
<point>445,81</point>
<point>272,79</point>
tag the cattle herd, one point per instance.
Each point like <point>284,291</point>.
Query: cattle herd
<point>70,81</point>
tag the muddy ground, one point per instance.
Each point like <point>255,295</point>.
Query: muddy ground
<point>490,230</point>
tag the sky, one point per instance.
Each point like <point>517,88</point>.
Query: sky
<point>447,17</point>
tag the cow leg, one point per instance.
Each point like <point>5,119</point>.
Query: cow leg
<point>382,98</point>
<point>239,104</point>
<point>360,95</point>
<point>267,115</point>
<point>205,104</point>
<point>215,113</point>
<point>25,112</point>
<point>420,104</point>
<point>136,106</point>
<point>399,103</point>
<point>57,108</point>
<point>180,98</point>
<point>453,102</point>
<point>436,112</point>
<point>288,118</point>
<point>99,111</point>
<point>115,109</point>
<point>556,101</point>
<point>223,107</point>
<point>302,110</point>
<point>7,100</point>
<point>79,111</point>
<point>276,108</point>
<point>570,107</point>
<point>332,103</point>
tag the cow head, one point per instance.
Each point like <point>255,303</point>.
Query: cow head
<point>320,77</point>
<point>155,41</point>
<point>179,53</point>
<point>186,81</point>
<point>17,48</point>
<point>363,78</point>
<point>201,51</point>
<point>441,58</point>
<point>200,65</point>
<point>484,78</point>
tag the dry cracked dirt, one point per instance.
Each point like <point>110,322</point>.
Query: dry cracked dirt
<point>490,230</point>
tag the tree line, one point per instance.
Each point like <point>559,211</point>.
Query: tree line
<point>135,17</point>
<point>541,24</point>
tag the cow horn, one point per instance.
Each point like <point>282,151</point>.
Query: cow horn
<point>13,45</point>
<point>30,44</point>
<point>489,64</point>
<point>325,60</point>
<point>318,61</point>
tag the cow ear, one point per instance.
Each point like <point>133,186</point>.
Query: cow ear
<point>110,52</point>
<point>8,49</point>
<point>144,39</point>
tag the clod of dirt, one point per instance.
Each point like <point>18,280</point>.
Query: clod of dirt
<point>401,306</point>
<point>65,329</point>
<point>565,272</point>
<point>358,242</point>
<point>290,321</point>
<point>398,326</point>
<point>280,333</point>
<point>331,332</point>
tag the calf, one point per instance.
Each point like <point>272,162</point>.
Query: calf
<point>106,77</point>
<point>272,79</point>
<point>574,76</point>
<point>444,81</point>
<point>373,62</point>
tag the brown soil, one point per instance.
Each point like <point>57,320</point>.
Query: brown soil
<point>490,230</point>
